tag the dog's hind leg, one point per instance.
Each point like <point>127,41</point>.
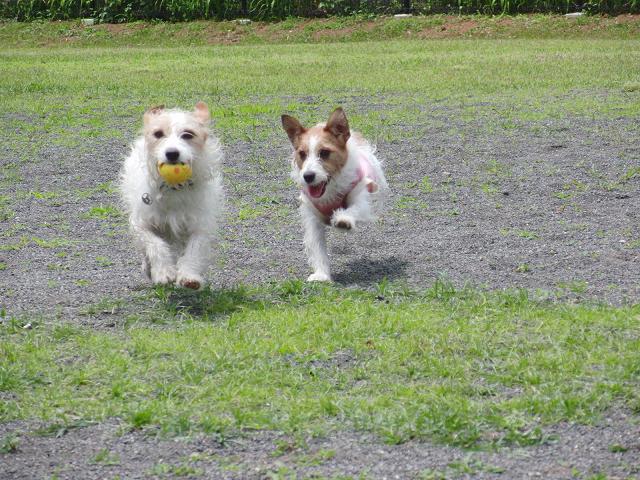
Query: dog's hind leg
<point>315,245</point>
<point>193,261</point>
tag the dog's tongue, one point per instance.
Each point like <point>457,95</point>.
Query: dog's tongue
<point>316,191</point>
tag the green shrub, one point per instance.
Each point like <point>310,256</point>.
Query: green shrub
<point>114,11</point>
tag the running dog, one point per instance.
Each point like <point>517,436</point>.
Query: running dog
<point>338,173</point>
<point>172,214</point>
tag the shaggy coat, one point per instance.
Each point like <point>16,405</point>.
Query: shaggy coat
<point>174,225</point>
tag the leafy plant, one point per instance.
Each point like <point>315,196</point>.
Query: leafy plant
<point>117,11</point>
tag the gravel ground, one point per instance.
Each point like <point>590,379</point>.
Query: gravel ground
<point>544,207</point>
<point>549,206</point>
<point>573,451</point>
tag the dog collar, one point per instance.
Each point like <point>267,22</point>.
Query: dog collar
<point>147,200</point>
<point>327,209</point>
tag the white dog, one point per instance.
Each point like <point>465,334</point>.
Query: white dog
<point>175,224</point>
<point>338,172</point>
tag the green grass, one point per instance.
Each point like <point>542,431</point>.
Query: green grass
<point>37,241</point>
<point>285,9</point>
<point>9,444</point>
<point>103,213</point>
<point>296,30</point>
<point>166,470</point>
<point>465,368</point>
<point>79,93</point>
<point>105,457</point>
<point>6,212</point>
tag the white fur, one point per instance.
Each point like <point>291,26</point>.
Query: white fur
<point>176,230</point>
<point>359,201</point>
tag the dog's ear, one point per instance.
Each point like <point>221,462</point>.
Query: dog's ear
<point>149,114</point>
<point>293,127</point>
<point>201,112</point>
<point>338,125</point>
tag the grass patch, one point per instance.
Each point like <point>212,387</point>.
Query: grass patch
<point>630,174</point>
<point>48,243</point>
<point>167,470</point>
<point>10,443</point>
<point>105,457</point>
<point>104,188</point>
<point>293,30</point>
<point>6,212</point>
<point>464,368</point>
<point>104,261</point>
<point>61,90</point>
<point>103,213</point>
<point>617,448</point>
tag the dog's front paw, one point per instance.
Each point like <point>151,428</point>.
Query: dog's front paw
<point>191,281</point>
<point>343,222</point>
<point>163,276</point>
<point>319,277</point>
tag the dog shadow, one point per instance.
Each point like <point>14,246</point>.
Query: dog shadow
<point>366,271</point>
<point>206,303</point>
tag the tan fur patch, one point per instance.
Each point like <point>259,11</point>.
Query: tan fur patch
<point>337,149</point>
<point>201,113</point>
<point>154,125</point>
<point>331,147</point>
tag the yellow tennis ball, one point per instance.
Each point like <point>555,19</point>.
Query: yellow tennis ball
<point>174,174</point>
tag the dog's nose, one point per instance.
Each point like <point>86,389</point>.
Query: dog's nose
<point>309,177</point>
<point>172,155</point>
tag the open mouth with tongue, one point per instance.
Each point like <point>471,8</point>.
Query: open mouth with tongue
<point>316,191</point>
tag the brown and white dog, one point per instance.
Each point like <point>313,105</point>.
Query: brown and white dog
<point>337,171</point>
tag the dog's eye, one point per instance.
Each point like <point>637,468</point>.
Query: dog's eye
<point>187,136</point>
<point>324,154</point>
<point>303,154</point>
<point>158,134</point>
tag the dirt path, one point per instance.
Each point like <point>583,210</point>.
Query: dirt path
<point>550,207</point>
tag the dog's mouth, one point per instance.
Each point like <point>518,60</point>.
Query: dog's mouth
<point>162,163</point>
<point>316,191</point>
<point>175,173</point>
